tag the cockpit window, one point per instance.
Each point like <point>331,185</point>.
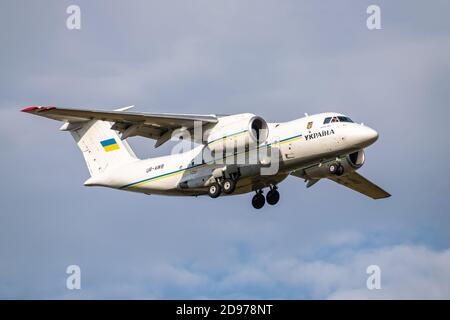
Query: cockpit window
<point>337,119</point>
<point>345,119</point>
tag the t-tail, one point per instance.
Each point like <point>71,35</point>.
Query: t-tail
<point>102,147</point>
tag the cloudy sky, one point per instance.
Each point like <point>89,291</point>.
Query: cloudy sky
<point>277,59</point>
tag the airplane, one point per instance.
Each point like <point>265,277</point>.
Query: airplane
<point>321,146</point>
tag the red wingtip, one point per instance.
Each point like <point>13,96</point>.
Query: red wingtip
<point>29,109</point>
<point>36,108</point>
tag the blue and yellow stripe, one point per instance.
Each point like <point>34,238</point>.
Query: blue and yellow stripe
<point>161,176</point>
<point>233,135</point>
<point>294,138</point>
<point>109,145</point>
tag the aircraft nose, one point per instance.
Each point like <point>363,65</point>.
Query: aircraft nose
<point>368,135</point>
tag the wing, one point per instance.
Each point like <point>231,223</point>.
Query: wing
<point>360,184</point>
<point>351,180</point>
<point>158,126</point>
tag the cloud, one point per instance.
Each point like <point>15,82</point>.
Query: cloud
<point>407,272</point>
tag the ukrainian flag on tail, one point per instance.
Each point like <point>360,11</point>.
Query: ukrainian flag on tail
<point>109,145</point>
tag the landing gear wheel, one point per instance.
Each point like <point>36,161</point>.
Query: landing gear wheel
<point>340,170</point>
<point>272,197</point>
<point>258,200</point>
<point>333,168</point>
<point>214,190</point>
<point>228,186</point>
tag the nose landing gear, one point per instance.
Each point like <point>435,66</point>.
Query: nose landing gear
<point>336,168</point>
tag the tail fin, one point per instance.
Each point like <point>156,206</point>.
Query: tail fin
<point>102,147</point>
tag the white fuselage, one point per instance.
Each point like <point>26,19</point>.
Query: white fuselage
<point>301,143</point>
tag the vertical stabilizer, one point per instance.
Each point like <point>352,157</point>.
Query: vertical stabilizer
<point>101,147</point>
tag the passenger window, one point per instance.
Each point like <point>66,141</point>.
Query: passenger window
<point>327,120</point>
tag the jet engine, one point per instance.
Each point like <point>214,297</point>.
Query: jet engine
<point>350,163</point>
<point>237,133</point>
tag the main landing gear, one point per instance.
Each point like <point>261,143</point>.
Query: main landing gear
<point>336,168</point>
<point>227,186</point>
<point>272,198</point>
<point>258,200</point>
<point>214,190</point>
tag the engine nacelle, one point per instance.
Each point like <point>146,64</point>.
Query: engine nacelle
<point>237,132</point>
<point>351,162</point>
